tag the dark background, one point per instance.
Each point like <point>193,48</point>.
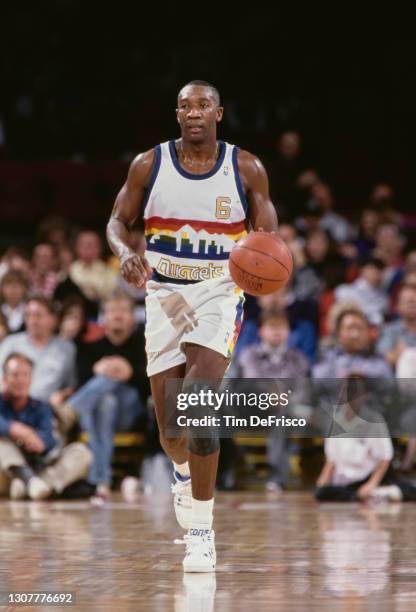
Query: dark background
<point>85,86</point>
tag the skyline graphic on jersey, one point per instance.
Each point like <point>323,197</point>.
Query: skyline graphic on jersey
<point>192,239</point>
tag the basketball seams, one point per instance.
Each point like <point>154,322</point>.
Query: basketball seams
<point>269,280</point>
<point>240,246</point>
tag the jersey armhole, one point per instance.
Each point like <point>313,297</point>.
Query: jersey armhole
<point>238,181</point>
<point>153,176</point>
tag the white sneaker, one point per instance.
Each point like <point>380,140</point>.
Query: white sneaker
<point>387,493</point>
<point>182,501</point>
<point>38,489</point>
<point>17,489</point>
<point>200,551</point>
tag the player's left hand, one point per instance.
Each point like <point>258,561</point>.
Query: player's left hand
<point>135,269</point>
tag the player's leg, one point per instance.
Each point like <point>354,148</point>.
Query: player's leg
<point>206,364</point>
<point>203,363</point>
<point>175,447</point>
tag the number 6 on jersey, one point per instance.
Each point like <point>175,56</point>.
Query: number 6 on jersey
<point>223,208</point>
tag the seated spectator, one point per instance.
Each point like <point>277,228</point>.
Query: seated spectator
<point>367,232</point>
<point>53,358</point>
<point>406,375</point>
<point>112,374</point>
<point>302,330</point>
<point>283,173</point>
<point>73,324</point>
<point>322,257</point>
<point>88,271</point>
<point>322,267</point>
<point>305,181</point>
<point>383,199</point>
<point>13,292</point>
<point>272,358</point>
<point>406,276</point>
<point>30,463</point>
<point>396,336</point>
<point>43,277</point>
<point>353,350</point>
<point>14,259</point>
<point>357,461</point>
<point>389,248</point>
<point>66,289</point>
<point>366,291</point>
<point>321,206</point>
<point>54,230</point>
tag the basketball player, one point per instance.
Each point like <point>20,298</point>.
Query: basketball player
<point>198,196</point>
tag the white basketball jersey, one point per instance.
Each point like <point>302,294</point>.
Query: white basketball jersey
<point>192,221</point>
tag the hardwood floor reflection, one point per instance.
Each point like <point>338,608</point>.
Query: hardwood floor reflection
<point>283,553</point>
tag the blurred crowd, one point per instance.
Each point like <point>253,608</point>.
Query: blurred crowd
<point>72,331</point>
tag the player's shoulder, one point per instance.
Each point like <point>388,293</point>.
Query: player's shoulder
<point>248,163</point>
<point>144,159</point>
<point>142,166</point>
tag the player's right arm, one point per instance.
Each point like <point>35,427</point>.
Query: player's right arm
<point>128,205</point>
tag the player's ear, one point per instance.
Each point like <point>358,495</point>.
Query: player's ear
<point>220,112</point>
<point>177,114</point>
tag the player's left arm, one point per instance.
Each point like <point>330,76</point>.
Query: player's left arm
<point>262,213</point>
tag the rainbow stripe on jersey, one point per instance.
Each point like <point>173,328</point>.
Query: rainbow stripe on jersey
<point>192,222</point>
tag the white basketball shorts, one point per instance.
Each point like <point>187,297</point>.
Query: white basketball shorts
<point>208,313</point>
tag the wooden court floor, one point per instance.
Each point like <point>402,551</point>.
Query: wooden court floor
<point>283,553</point>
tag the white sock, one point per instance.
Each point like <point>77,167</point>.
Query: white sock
<point>202,514</point>
<point>182,469</point>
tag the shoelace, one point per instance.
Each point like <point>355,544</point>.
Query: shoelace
<point>178,486</point>
<point>184,540</point>
<point>189,539</point>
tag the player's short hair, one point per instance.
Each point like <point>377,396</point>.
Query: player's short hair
<point>16,355</point>
<point>214,91</point>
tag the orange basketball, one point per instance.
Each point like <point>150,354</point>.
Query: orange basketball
<point>260,263</point>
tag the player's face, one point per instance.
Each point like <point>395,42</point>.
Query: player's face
<point>197,113</point>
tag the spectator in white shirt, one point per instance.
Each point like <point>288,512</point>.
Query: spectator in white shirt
<point>366,292</point>
<point>358,460</point>
<point>53,358</point>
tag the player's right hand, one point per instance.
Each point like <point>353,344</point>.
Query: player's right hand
<point>135,269</point>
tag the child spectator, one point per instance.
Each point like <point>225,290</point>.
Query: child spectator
<point>13,293</point>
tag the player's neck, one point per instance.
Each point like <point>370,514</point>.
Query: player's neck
<point>202,153</point>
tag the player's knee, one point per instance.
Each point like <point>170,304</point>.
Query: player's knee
<point>170,445</point>
<point>204,446</point>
